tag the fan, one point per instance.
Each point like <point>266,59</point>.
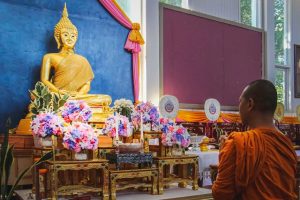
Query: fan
<point>168,106</point>
<point>212,109</point>
<point>279,112</point>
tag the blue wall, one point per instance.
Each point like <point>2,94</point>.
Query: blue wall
<point>26,34</point>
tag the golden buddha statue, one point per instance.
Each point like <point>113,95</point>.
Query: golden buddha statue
<point>72,72</point>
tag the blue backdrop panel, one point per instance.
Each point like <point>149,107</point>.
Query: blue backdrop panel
<point>26,34</point>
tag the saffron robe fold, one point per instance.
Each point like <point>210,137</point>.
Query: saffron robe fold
<point>72,73</point>
<point>256,164</point>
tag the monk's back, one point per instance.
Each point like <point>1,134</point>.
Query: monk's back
<point>276,179</point>
<point>255,165</point>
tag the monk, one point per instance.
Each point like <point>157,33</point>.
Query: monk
<point>259,163</point>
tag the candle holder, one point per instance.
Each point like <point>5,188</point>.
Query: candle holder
<point>116,144</point>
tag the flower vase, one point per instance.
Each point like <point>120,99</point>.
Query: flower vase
<point>176,150</point>
<point>45,142</point>
<point>147,127</point>
<point>83,155</point>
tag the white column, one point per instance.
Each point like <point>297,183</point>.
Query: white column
<point>269,27</point>
<point>152,49</point>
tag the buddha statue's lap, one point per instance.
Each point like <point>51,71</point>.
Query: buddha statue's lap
<point>95,100</point>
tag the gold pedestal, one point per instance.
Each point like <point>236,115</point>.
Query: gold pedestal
<point>24,127</point>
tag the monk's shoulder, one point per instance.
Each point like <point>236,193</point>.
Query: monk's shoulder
<point>234,135</point>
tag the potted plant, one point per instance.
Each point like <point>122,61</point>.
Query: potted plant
<point>123,107</point>
<point>45,121</point>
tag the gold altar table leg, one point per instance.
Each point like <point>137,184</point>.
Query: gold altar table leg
<point>160,177</point>
<point>154,182</point>
<point>168,172</point>
<point>195,175</point>
<point>36,182</point>
<point>105,182</point>
<point>53,182</point>
<point>182,173</point>
<point>113,195</point>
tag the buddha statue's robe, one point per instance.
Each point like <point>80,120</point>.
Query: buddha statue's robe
<point>255,165</point>
<point>72,73</point>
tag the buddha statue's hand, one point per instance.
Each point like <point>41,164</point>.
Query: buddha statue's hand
<point>69,93</point>
<point>73,94</point>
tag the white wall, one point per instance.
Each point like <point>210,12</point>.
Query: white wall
<point>295,39</point>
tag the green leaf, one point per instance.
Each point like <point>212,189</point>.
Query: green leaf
<point>41,103</point>
<point>38,88</point>
<point>8,162</point>
<point>33,93</point>
<point>34,110</point>
<point>3,155</point>
<point>44,92</point>
<point>47,98</point>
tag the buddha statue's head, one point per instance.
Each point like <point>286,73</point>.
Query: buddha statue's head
<point>65,33</point>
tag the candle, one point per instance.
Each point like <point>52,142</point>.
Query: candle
<point>142,129</point>
<point>117,126</point>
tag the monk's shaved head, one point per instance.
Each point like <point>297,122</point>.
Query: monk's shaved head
<point>264,95</point>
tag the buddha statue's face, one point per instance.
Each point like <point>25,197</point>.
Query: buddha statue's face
<point>68,37</point>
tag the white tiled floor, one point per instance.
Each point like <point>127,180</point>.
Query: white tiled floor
<point>172,192</point>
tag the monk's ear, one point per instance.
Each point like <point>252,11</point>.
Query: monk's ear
<point>251,104</point>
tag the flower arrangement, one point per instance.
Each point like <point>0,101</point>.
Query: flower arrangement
<point>124,107</point>
<point>124,128</point>
<point>46,124</point>
<point>76,110</point>
<point>173,134</point>
<point>181,136</point>
<point>79,136</point>
<point>148,111</point>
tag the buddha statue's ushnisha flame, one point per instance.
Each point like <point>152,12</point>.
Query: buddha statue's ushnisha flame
<point>66,23</point>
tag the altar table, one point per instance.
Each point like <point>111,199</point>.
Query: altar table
<point>206,158</point>
<point>101,185</point>
<point>167,162</point>
<point>116,176</point>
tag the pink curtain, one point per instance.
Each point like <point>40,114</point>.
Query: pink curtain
<point>133,41</point>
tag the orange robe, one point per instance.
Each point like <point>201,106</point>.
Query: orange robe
<point>255,165</point>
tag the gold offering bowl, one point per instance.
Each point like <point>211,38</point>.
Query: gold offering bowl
<point>204,143</point>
